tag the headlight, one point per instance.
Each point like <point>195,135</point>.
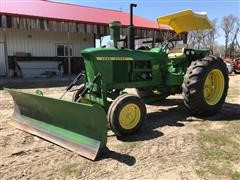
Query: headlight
<point>187,52</point>
<point>192,52</point>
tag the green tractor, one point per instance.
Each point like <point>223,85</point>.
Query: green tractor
<point>81,125</point>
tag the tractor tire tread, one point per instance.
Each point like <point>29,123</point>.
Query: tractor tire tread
<point>192,87</point>
<point>114,107</point>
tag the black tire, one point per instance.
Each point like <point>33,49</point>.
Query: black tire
<point>236,71</point>
<point>78,92</point>
<point>193,86</point>
<point>229,65</point>
<point>116,108</point>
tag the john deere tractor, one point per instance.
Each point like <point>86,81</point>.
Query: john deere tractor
<point>81,125</point>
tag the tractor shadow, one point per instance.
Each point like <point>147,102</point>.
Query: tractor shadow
<point>120,157</point>
<point>32,84</point>
<point>37,83</point>
<point>172,112</point>
<point>160,117</point>
<point>229,112</point>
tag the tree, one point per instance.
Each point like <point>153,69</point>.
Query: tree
<point>218,50</point>
<point>204,38</point>
<point>230,27</point>
<point>212,35</point>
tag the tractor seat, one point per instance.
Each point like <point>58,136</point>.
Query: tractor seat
<point>176,53</point>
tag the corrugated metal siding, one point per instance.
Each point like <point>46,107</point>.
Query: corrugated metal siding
<point>1,36</point>
<point>2,56</point>
<point>2,60</point>
<point>40,43</point>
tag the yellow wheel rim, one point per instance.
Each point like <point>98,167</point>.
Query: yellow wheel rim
<point>129,116</point>
<point>213,87</point>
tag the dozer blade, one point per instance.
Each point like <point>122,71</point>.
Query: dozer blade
<point>81,128</point>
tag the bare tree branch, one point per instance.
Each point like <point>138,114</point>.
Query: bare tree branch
<point>229,26</point>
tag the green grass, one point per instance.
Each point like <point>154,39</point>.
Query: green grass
<point>236,176</point>
<point>80,169</point>
<point>219,151</point>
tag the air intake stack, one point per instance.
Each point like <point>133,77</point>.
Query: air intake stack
<point>114,27</point>
<point>131,32</point>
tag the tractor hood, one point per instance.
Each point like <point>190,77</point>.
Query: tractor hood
<point>114,54</point>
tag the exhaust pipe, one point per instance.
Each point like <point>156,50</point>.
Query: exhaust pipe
<point>131,32</point>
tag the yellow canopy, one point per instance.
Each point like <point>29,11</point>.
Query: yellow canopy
<point>186,21</point>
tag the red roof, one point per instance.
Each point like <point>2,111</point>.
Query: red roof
<point>70,12</point>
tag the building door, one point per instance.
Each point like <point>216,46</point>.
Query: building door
<point>2,60</point>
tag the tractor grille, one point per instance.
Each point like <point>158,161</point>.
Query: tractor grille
<point>120,71</point>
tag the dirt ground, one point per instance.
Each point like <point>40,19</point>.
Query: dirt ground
<point>167,147</point>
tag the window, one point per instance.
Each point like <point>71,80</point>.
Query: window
<point>62,50</point>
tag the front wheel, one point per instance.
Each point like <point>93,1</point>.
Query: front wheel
<point>126,114</point>
<point>77,93</point>
<point>205,86</point>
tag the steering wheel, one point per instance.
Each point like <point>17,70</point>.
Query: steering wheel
<point>168,45</point>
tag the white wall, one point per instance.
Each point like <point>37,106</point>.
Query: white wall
<point>41,43</point>
<point>2,60</point>
<point>1,36</point>
<point>2,56</point>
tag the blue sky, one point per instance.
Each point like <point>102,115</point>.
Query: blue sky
<point>151,9</point>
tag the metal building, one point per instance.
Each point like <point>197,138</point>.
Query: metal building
<point>41,37</point>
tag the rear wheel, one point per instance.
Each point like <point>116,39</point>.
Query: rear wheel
<point>205,86</point>
<point>126,114</point>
